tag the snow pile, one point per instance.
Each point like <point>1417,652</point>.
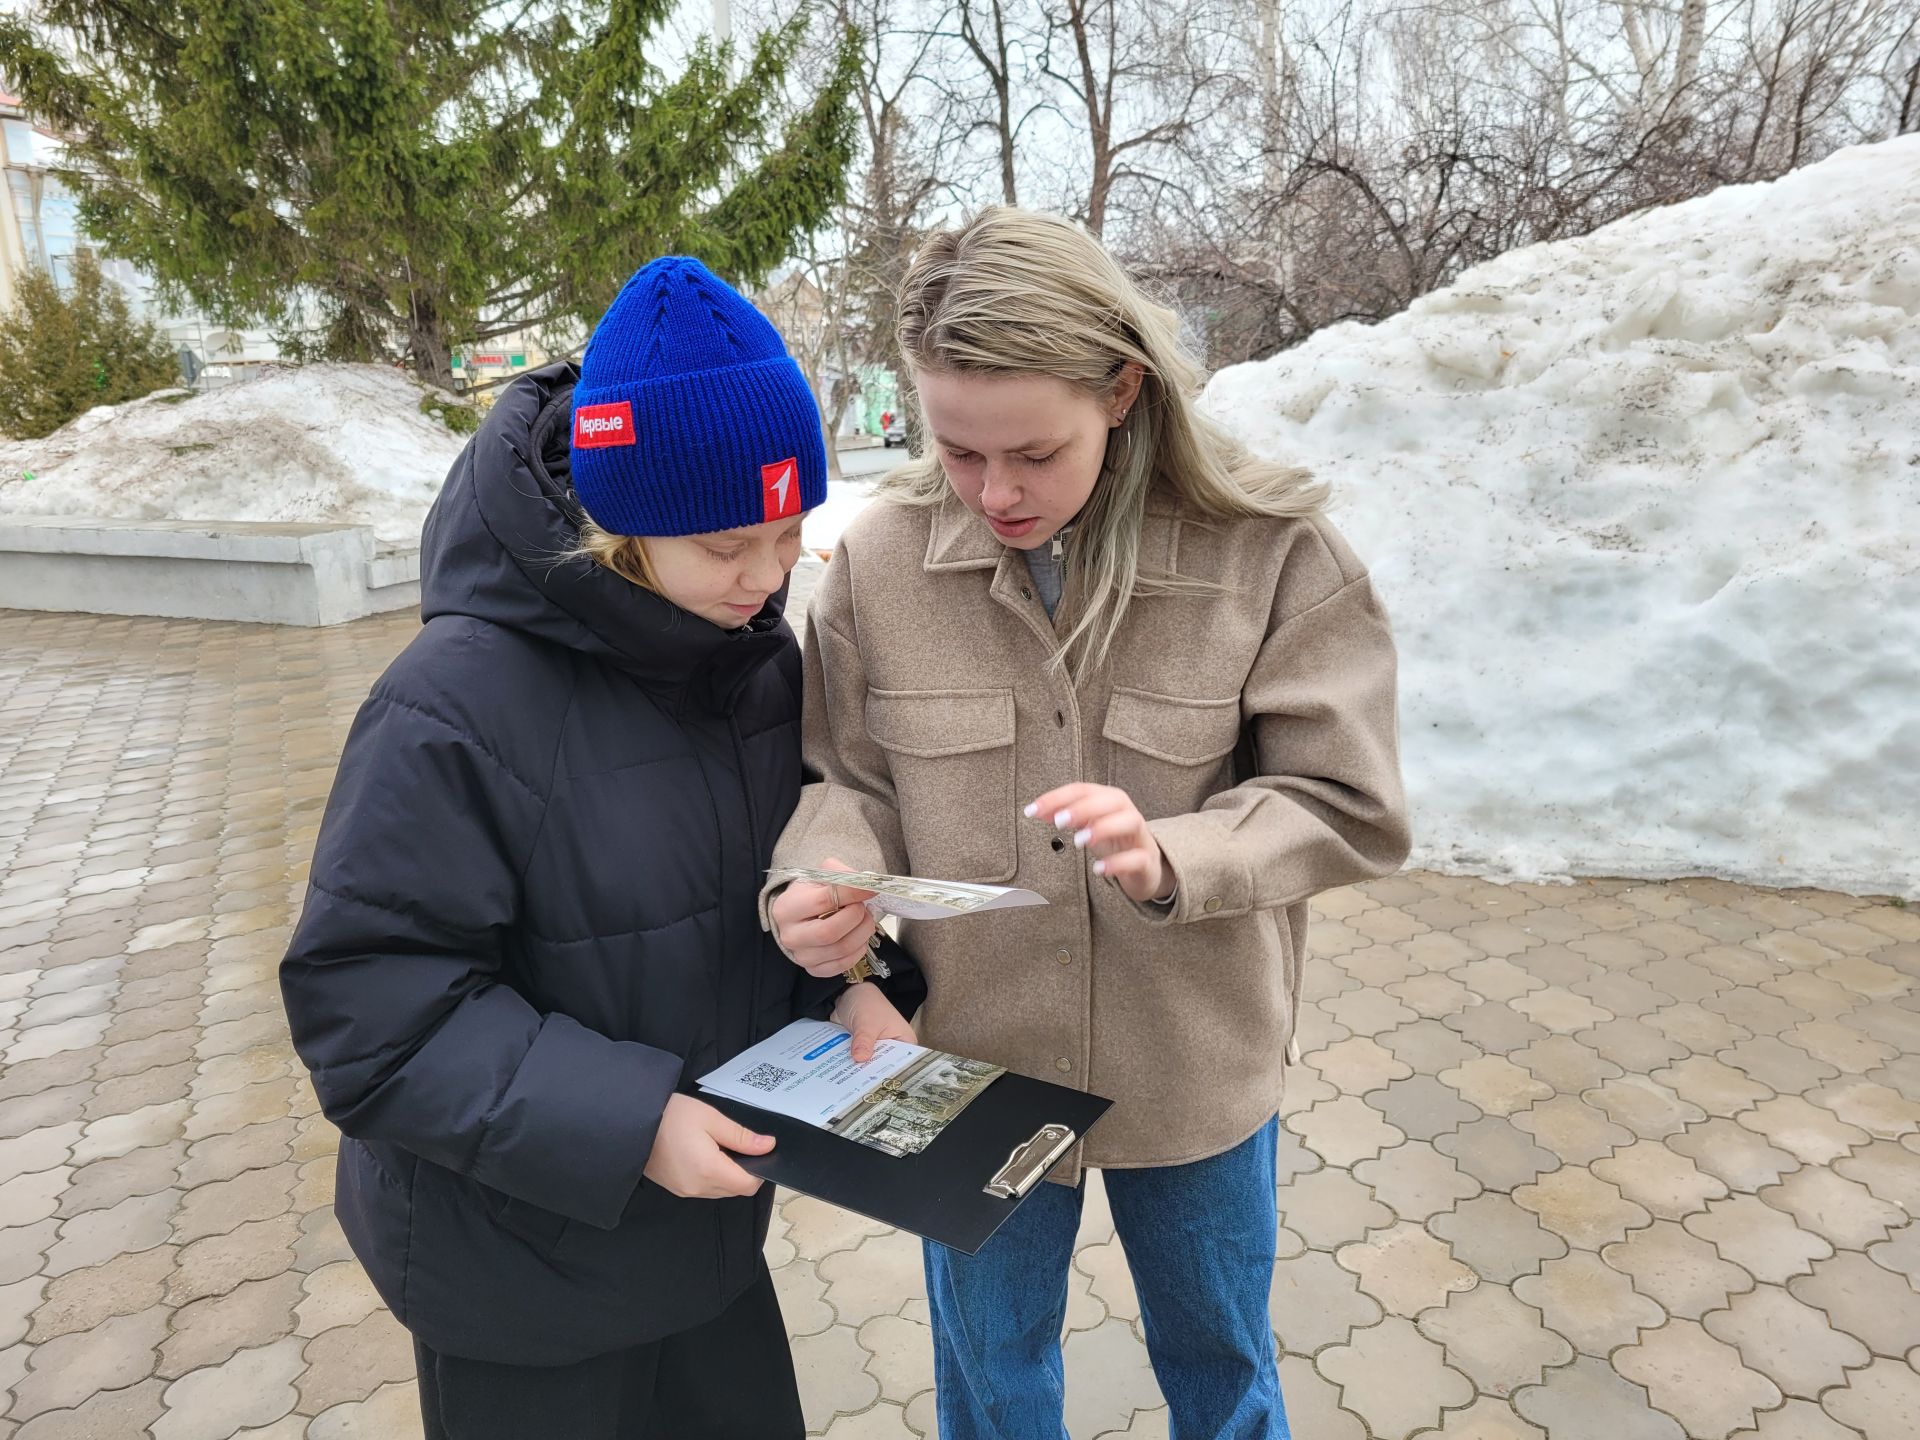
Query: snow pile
<point>322,443</point>
<point>1644,508</point>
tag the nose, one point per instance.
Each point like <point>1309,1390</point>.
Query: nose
<point>999,494</point>
<point>767,572</point>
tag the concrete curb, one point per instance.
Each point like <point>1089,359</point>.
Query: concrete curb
<point>202,570</point>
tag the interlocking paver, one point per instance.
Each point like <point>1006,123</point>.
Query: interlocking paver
<point>1497,1153</point>
<point>253,1388</point>
<point>1422,1107</point>
<point>1593,1305</point>
<point>1567,1065</point>
<point>1109,1379</point>
<point>1696,1379</point>
<point>1329,1208</point>
<point>1666,1183</point>
<point>834,1380</point>
<point>1588,1400</point>
<point>1495,1338</point>
<point>1883,1399</point>
<point>1789,1342</point>
<point>108,1415</point>
<point>96,1236</point>
<point>1416,1180</point>
<point>1572,1129</point>
<point>1830,1205</point>
<point>1859,1297</point>
<point>1901,1254</point>
<point>1429,1047</point>
<point>1358,1064</point>
<point>350,1362</point>
<point>1495,1084</point>
<point>64,1372</point>
<point>1313,1404</point>
<point>1744,1160</point>
<point>1406,1269</point>
<point>254,1250</point>
<point>877,1277</point>
<point>81,1299</point>
<point>1580,1207</point>
<point>1393,1377</point>
<point>1496,1238</point>
<point>106,1183</point>
<point>210,1331</point>
<point>1712,1085</point>
<point>1878,1109</point>
<point>1486,1419</point>
<point>1679,1270</point>
<point>1315,1303</point>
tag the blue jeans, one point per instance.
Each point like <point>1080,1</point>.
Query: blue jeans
<point>1199,1240</point>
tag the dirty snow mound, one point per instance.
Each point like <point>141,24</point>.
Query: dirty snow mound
<point>320,443</point>
<point>1644,506</point>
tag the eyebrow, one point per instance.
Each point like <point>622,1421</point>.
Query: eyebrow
<point>742,534</point>
<point>1011,449</point>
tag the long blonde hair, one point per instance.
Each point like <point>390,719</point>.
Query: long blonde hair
<point>1012,292</point>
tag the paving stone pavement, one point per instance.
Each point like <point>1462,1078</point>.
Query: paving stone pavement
<point>1612,1160</point>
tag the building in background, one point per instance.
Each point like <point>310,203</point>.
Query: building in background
<point>41,225</point>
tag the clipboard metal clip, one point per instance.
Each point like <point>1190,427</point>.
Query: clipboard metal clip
<point>1030,1160</point>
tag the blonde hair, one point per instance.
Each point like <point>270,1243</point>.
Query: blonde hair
<point>625,555</point>
<point>1012,292</point>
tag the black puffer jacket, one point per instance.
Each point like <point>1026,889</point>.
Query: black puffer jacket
<point>532,919</point>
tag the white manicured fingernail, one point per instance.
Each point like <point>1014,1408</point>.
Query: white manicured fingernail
<point>1032,810</point>
<point>1099,867</point>
<point>1081,837</point>
<point>1062,820</point>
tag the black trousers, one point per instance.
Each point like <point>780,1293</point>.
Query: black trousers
<point>729,1379</point>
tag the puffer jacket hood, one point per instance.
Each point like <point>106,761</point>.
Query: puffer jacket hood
<point>498,547</point>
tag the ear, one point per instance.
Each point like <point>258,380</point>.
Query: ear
<point>1126,390</point>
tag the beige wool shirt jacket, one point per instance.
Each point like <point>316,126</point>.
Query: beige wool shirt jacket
<point>932,718</point>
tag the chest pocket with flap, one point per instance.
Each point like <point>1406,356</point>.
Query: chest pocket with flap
<point>951,754</point>
<point>1167,753</point>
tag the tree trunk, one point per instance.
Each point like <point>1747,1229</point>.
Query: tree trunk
<point>428,349</point>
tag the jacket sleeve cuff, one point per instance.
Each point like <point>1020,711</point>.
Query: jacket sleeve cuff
<point>906,987</point>
<point>578,1122</point>
<point>1210,872</point>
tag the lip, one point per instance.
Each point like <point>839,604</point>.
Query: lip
<point>747,610</point>
<point>1013,529</point>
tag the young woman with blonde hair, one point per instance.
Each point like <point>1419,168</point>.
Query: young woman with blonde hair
<point>1089,645</point>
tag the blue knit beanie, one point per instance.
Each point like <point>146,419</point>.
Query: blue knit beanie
<point>690,416</point>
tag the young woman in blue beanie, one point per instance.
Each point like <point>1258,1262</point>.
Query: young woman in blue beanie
<point>531,921</point>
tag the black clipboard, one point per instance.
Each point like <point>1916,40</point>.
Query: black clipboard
<point>1005,1135</point>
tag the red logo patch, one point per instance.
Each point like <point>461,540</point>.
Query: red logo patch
<point>780,482</point>
<point>597,426</point>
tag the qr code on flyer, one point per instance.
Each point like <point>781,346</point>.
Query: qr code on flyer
<point>766,1077</point>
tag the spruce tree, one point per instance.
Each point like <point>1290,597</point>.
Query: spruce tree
<point>430,173</point>
<point>62,352</point>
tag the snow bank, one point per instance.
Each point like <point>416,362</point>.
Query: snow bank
<point>1644,508</point>
<point>321,443</point>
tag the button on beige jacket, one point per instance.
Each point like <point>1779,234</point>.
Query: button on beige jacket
<point>932,719</point>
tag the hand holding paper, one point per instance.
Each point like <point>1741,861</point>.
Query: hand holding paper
<point>823,924</point>
<point>909,896</point>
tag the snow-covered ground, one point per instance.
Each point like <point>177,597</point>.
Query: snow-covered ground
<point>314,444</point>
<point>1645,507</point>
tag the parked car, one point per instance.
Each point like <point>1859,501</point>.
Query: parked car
<point>894,433</point>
